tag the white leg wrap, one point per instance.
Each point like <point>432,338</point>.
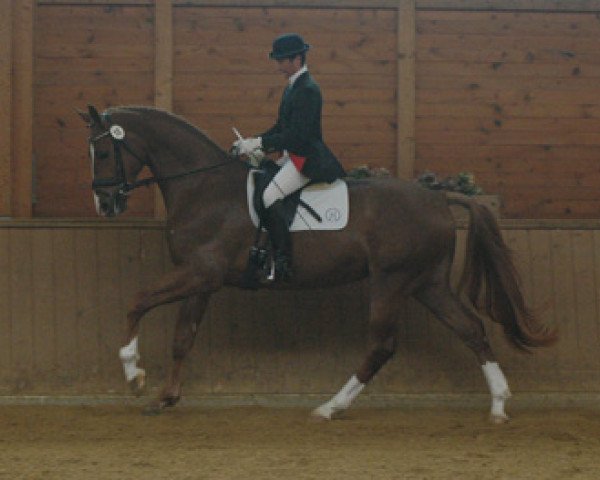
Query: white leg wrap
<point>129,356</point>
<point>498,388</point>
<point>342,400</point>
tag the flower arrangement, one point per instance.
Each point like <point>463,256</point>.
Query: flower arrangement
<point>463,183</point>
<point>365,171</point>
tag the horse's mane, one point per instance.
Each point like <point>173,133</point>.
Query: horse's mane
<point>161,114</point>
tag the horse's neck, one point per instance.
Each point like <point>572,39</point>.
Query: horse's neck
<point>181,152</point>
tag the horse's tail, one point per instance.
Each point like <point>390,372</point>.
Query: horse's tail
<point>488,260</point>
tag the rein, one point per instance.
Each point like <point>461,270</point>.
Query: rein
<point>149,181</point>
<point>117,134</point>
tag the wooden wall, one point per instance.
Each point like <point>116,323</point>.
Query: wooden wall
<point>504,89</point>
<point>85,54</point>
<point>65,288</point>
<point>223,76</point>
<point>514,98</point>
<point>5,103</point>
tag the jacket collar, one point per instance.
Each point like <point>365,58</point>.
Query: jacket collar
<point>297,75</point>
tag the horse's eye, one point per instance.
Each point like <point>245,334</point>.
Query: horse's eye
<point>101,155</point>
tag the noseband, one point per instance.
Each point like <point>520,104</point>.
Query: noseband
<point>117,135</point>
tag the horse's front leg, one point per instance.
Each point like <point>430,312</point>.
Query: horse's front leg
<point>177,285</point>
<point>190,316</point>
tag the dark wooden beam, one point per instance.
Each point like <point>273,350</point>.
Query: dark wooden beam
<point>22,108</point>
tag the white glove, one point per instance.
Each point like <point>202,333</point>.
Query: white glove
<point>247,146</point>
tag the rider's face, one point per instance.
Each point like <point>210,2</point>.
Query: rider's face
<point>289,66</point>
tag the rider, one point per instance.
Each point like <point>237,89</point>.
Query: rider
<point>297,134</point>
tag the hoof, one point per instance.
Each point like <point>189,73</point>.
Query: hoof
<point>499,419</point>
<point>326,412</point>
<point>138,384</point>
<point>317,417</point>
<point>154,408</point>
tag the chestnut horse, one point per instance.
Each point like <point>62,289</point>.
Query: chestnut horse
<point>400,235</point>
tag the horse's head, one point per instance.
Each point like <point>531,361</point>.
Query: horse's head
<point>115,162</point>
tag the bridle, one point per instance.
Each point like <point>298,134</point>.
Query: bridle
<point>119,180</point>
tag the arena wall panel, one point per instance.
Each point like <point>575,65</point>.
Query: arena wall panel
<point>65,289</point>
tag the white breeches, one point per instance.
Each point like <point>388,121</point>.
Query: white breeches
<point>286,182</point>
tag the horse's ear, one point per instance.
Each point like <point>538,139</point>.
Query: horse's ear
<point>84,116</point>
<point>94,116</point>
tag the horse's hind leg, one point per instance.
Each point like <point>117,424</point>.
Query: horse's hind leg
<point>382,345</point>
<point>451,311</point>
<point>190,315</point>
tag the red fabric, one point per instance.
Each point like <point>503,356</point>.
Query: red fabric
<point>298,161</point>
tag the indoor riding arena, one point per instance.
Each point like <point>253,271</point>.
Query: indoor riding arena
<point>506,91</point>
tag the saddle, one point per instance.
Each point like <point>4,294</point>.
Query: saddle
<point>316,206</point>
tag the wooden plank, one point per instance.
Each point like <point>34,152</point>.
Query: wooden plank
<point>111,317</point>
<point>204,61</point>
<point>510,110</point>
<point>483,124</point>
<point>517,5</point>
<point>594,326</point>
<point>93,70</point>
<point>163,81</point>
<point>506,23</point>
<point>495,83</point>
<point>380,126</point>
<point>88,306</point>
<point>518,242</point>
<point>6,17</point>
<point>43,308</point>
<point>508,97</point>
<point>462,5</point>
<point>406,90</point>
<point>359,93</point>
<point>21,303</point>
<point>563,47</point>
<point>6,344</point>
<point>67,328</point>
<point>500,137</point>
<point>361,43</point>
<point>85,16</point>
<point>505,55</point>
<point>585,296</point>
<point>525,71</point>
<point>259,20</point>
<point>542,300</point>
<point>508,157</point>
<point>186,78</point>
<point>56,101</point>
<point>564,300</point>
<point>154,341</point>
<point>95,50</point>
<point>22,83</point>
<point>335,109</point>
<point>242,347</point>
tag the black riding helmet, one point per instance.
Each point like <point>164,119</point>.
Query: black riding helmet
<point>288,45</point>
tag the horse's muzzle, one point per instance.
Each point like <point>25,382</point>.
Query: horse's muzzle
<point>110,204</point>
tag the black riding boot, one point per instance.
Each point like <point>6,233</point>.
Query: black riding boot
<point>281,239</point>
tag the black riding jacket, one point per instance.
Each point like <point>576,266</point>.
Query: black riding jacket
<point>298,130</point>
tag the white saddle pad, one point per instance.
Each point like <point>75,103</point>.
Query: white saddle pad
<point>330,201</point>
